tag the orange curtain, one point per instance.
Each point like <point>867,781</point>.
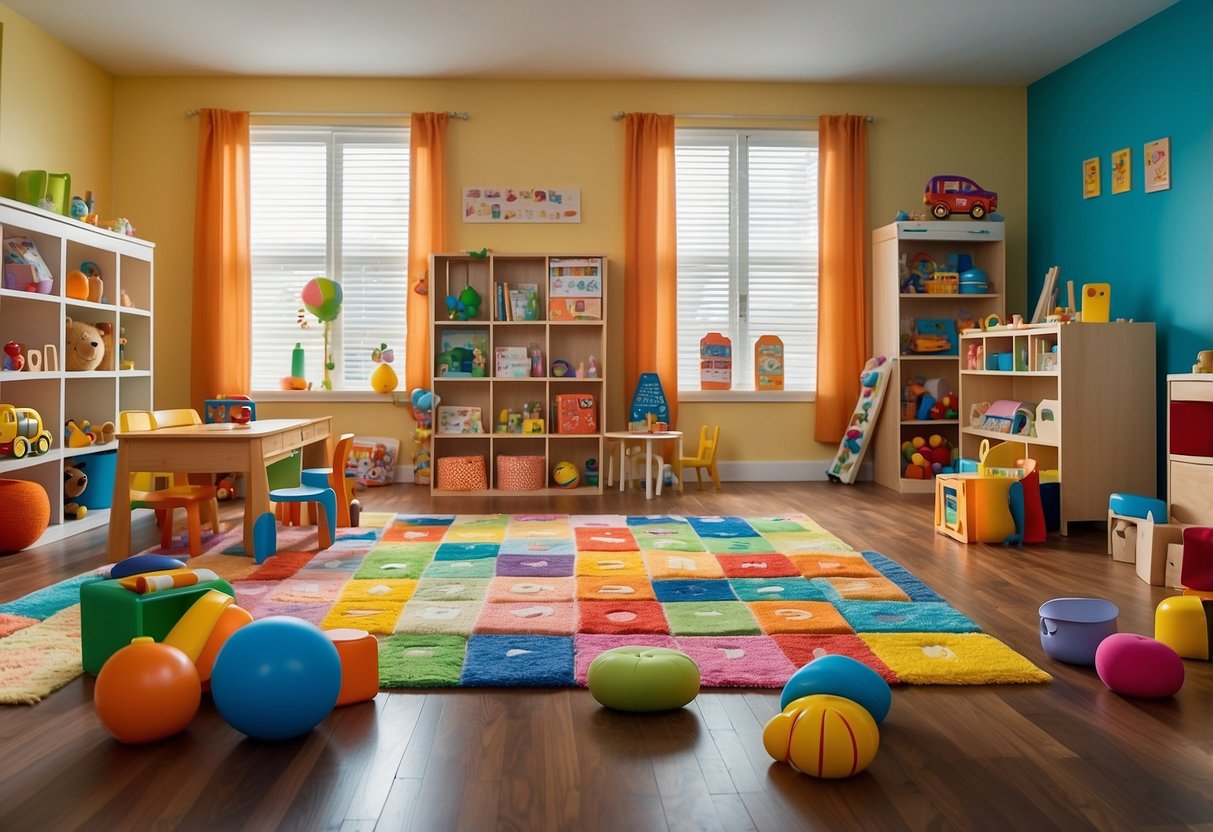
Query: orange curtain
<point>650,301</point>
<point>427,217</point>
<point>220,344</point>
<point>842,329</point>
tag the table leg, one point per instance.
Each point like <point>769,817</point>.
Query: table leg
<point>119,544</point>
<point>680,465</point>
<point>623,471</point>
<point>648,469</point>
<point>257,501</point>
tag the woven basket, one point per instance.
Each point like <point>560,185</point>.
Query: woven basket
<point>462,473</point>
<point>520,473</point>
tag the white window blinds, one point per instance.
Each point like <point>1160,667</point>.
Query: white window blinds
<point>747,248</point>
<point>329,202</point>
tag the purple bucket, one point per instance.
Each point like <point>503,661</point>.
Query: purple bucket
<point>1072,628</point>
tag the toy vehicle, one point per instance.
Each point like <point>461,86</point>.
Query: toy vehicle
<point>946,194</point>
<point>21,432</point>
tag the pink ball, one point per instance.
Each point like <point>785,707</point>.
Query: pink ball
<point>1134,665</point>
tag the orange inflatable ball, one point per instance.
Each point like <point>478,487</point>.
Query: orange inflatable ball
<point>146,692</point>
<point>77,285</point>
<point>232,619</point>
<point>25,511</point>
<point>823,735</point>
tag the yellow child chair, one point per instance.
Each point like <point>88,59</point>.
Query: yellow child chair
<point>179,494</point>
<point>705,459</point>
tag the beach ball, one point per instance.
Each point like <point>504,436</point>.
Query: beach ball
<point>840,676</point>
<point>322,297</point>
<point>823,736</point>
<point>147,691</point>
<point>276,678</point>
<point>566,475</point>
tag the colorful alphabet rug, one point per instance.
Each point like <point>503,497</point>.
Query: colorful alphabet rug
<point>530,600</point>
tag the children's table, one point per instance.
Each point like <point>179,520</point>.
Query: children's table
<point>626,436</point>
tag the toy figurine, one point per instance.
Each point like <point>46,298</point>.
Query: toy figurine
<point>13,357</point>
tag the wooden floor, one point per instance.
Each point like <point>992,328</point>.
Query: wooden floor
<point>1070,755</point>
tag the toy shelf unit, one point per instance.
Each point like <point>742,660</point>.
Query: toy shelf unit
<point>1190,448</point>
<point>523,378</point>
<point>930,280</point>
<point>1080,396</point>
<point>56,268</point>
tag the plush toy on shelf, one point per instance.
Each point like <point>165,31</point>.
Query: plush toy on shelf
<point>85,346</point>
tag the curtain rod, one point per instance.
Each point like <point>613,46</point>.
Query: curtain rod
<point>619,114</point>
<point>463,116</point>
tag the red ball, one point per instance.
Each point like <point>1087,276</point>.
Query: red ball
<point>147,691</point>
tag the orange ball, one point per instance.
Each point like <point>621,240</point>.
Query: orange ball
<point>231,620</point>
<point>147,691</point>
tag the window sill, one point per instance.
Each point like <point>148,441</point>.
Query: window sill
<point>747,396</point>
<point>323,396</point>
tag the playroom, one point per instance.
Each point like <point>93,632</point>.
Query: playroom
<point>497,426</point>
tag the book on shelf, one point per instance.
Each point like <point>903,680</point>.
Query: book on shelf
<point>575,289</point>
<point>459,419</point>
<point>511,362</point>
<point>524,302</point>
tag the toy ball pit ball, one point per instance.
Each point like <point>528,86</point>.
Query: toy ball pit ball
<point>276,678</point>
<point>421,398</point>
<point>566,475</point>
<point>841,676</point>
<point>322,297</point>
<point>823,736</point>
<point>146,692</point>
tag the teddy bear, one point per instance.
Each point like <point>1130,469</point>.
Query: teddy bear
<point>74,483</point>
<point>85,346</point>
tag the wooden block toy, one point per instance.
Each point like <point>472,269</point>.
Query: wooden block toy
<point>1153,541</point>
<point>1175,560</point>
<point>359,654</point>
<point>972,508</point>
<point>110,616</point>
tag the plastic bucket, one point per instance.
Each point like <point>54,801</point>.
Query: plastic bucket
<point>1072,628</point>
<point>100,469</point>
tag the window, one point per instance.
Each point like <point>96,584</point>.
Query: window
<point>747,248</point>
<point>330,202</point>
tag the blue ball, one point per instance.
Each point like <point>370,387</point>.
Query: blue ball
<point>138,564</point>
<point>841,676</point>
<point>276,678</point>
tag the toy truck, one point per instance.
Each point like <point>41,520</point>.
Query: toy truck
<point>21,432</point>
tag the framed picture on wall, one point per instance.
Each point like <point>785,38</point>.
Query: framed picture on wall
<point>1090,178</point>
<point>1158,165</point>
<point>1120,171</point>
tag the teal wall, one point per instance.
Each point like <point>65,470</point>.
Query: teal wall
<point>1156,249</point>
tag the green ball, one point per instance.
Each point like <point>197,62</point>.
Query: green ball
<point>643,679</point>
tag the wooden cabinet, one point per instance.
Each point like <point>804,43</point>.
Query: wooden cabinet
<point>1190,448</point>
<point>1097,381</point>
<point>36,320</point>
<point>897,315</point>
<point>568,328</point>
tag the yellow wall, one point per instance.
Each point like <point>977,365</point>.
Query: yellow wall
<point>56,112</point>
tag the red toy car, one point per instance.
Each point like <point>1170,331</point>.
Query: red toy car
<point>945,194</point>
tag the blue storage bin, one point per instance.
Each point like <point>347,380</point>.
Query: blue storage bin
<point>100,469</point>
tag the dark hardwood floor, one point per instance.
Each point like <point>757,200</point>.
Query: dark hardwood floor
<point>1070,755</point>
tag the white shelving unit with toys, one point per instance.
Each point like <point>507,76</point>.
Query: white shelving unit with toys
<point>1079,396</point>
<point>118,303</point>
<point>929,281</point>
<point>505,366</point>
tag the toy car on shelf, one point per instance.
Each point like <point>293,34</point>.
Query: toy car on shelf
<point>22,433</point>
<point>949,194</point>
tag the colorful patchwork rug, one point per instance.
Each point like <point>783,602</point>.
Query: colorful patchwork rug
<point>530,600</point>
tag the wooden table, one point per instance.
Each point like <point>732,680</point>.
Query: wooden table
<point>213,449</point>
<point>626,436</point>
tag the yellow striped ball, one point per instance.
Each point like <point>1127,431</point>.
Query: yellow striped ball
<point>823,735</point>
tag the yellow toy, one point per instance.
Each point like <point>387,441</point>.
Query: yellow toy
<point>190,633</point>
<point>1096,302</point>
<point>1179,623</point>
<point>823,735</point>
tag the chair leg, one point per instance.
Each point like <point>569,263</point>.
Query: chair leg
<point>715,475</point>
<point>212,515</point>
<point>659,462</point>
<point>193,517</point>
<point>166,528</point>
<point>265,537</point>
<point>326,519</point>
<point>337,484</point>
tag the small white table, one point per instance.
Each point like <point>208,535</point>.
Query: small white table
<point>626,436</point>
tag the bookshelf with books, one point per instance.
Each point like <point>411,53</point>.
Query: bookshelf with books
<point>537,341</point>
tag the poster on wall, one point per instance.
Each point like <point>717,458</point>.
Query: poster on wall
<point>1090,178</point>
<point>1158,165</point>
<point>1121,181</point>
<point>515,205</point>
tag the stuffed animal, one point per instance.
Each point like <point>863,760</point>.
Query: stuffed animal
<point>107,343</point>
<point>85,346</point>
<point>74,483</point>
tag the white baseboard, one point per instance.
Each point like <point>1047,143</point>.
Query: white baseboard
<point>809,470</point>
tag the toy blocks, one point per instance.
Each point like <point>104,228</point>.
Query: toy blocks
<point>111,615</point>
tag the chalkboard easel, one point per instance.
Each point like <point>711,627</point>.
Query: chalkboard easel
<point>649,398</point>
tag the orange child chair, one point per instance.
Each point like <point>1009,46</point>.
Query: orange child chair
<point>704,459</point>
<point>179,494</point>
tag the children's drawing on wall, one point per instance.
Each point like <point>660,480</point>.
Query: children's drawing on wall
<point>1158,165</point>
<point>1121,181</point>
<point>1090,178</point>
